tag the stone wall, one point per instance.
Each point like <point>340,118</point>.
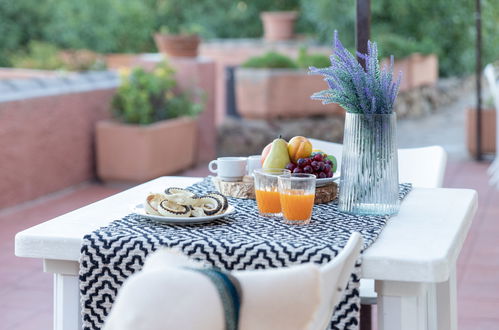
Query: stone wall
<point>425,100</point>
<point>243,137</point>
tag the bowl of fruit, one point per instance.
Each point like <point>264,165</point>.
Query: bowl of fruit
<point>298,156</point>
<point>323,166</point>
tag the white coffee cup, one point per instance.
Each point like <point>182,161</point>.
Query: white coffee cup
<point>254,163</point>
<point>229,168</point>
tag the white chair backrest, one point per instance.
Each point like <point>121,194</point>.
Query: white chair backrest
<point>335,276</point>
<point>491,73</point>
<point>165,295</point>
<point>423,167</point>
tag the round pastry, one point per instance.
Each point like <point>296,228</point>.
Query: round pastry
<point>209,204</point>
<point>175,190</point>
<point>180,198</point>
<point>197,212</point>
<point>221,198</point>
<point>171,209</point>
<point>152,203</point>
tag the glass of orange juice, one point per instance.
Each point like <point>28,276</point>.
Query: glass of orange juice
<point>267,190</point>
<point>297,194</point>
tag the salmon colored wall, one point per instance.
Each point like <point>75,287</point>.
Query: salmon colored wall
<point>46,143</point>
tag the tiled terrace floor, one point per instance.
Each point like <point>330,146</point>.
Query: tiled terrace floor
<point>26,292</point>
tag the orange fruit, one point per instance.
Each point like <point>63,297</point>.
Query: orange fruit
<point>299,147</point>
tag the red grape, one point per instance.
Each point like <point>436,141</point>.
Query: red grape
<point>329,174</point>
<point>308,169</point>
<point>322,175</point>
<point>318,157</point>
<point>297,170</point>
<point>315,165</point>
<point>329,162</point>
<point>327,168</point>
<point>321,166</point>
<point>301,162</point>
<point>291,167</point>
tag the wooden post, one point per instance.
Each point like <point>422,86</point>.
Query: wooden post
<point>362,27</point>
<point>478,23</point>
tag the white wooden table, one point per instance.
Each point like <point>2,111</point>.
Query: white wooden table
<point>413,261</point>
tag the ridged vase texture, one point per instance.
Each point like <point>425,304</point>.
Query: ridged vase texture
<point>369,169</point>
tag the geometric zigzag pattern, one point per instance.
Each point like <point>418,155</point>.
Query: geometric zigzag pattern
<point>243,240</point>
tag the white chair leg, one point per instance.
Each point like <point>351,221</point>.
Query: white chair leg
<point>67,311</point>
<point>402,305</point>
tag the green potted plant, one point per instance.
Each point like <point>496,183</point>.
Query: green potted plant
<point>276,86</point>
<point>182,42</point>
<point>414,58</point>
<point>154,129</point>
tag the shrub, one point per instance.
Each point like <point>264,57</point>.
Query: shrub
<point>45,56</point>
<point>306,60</point>
<point>102,26</point>
<point>146,97</point>
<point>271,60</point>
<point>440,26</point>
<point>20,22</point>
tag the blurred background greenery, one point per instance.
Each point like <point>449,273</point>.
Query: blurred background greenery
<point>120,26</point>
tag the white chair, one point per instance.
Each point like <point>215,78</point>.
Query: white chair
<point>423,167</point>
<point>167,295</point>
<point>491,73</point>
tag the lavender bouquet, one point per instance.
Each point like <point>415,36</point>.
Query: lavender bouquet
<point>369,168</point>
<point>369,91</point>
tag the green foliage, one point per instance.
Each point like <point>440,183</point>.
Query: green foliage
<point>20,21</point>
<point>271,60</point>
<point>103,26</point>
<point>306,60</point>
<point>440,26</point>
<point>400,47</point>
<point>146,97</point>
<point>45,56</point>
<point>106,26</point>
<point>39,55</point>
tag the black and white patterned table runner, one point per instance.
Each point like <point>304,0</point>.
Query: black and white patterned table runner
<point>243,240</point>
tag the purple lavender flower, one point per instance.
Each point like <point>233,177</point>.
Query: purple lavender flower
<point>358,90</point>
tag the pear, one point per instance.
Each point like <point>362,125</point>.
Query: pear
<point>278,156</point>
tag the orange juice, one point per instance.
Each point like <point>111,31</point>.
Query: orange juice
<point>297,206</point>
<point>268,201</point>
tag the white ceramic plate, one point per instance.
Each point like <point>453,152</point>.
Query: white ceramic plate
<point>139,209</point>
<point>323,182</point>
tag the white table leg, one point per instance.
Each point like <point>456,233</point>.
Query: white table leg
<point>442,304</point>
<point>67,314</point>
<point>67,310</point>
<point>402,305</point>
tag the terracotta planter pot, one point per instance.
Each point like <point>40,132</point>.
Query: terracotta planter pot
<point>177,45</point>
<point>139,153</point>
<point>279,93</point>
<point>278,25</point>
<point>417,70</point>
<point>488,132</point>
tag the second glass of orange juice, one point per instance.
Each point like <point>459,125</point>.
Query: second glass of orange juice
<point>267,190</point>
<point>297,194</point>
